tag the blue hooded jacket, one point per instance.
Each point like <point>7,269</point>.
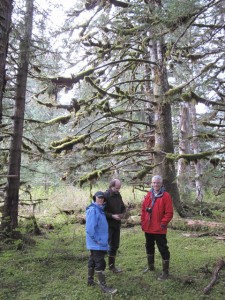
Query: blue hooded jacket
<point>96,228</point>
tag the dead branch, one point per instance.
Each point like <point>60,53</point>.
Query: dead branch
<point>220,264</point>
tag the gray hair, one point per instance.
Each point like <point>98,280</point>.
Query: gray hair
<point>157,177</point>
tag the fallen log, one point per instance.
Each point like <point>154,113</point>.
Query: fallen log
<point>218,237</point>
<point>220,264</point>
<point>197,225</point>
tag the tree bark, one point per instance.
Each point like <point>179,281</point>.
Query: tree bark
<point>183,169</point>
<point>10,213</point>
<point>197,163</point>
<point>5,20</point>
<point>163,117</point>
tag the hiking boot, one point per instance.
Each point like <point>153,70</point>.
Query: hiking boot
<point>90,280</point>
<point>151,260</point>
<point>112,265</point>
<point>165,272</point>
<point>102,283</point>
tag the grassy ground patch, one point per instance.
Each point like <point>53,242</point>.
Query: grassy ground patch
<point>55,268</point>
<point>53,265</point>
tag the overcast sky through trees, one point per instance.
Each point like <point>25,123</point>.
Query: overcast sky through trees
<point>57,18</point>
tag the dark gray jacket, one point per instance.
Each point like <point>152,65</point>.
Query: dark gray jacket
<point>114,205</point>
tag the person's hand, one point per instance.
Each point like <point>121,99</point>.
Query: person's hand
<point>121,216</point>
<point>116,217</point>
<point>163,226</point>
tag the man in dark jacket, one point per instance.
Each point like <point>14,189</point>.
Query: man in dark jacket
<point>114,211</point>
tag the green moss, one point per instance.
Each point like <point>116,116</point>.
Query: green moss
<point>141,174</point>
<point>60,119</point>
<point>105,148</point>
<point>207,67</point>
<point>92,175</point>
<point>67,143</point>
<point>101,92</point>
<point>189,157</point>
<point>186,97</point>
<point>117,112</point>
<point>175,90</point>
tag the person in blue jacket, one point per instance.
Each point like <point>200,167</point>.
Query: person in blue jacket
<point>97,241</point>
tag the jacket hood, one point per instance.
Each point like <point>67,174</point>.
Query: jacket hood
<point>94,204</point>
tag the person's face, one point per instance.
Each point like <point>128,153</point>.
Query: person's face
<point>116,188</point>
<point>100,200</point>
<point>156,184</point>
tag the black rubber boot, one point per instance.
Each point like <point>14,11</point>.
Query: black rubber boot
<point>165,272</point>
<point>102,283</point>
<point>151,261</point>
<point>112,265</point>
<point>90,280</point>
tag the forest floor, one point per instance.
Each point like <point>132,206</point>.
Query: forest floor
<point>53,264</point>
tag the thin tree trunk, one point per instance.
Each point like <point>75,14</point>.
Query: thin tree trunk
<point>5,20</point>
<point>10,213</point>
<point>150,138</point>
<point>183,168</point>
<point>197,163</point>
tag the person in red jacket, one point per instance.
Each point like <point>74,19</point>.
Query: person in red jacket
<point>156,213</point>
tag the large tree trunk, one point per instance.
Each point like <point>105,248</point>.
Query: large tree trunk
<point>163,118</point>
<point>10,213</point>
<point>5,20</point>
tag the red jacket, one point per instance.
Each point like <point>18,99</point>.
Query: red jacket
<point>162,212</point>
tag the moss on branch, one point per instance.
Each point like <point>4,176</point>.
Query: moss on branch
<point>33,143</point>
<point>67,143</point>
<point>69,107</point>
<point>69,81</point>
<point>175,90</point>
<point>93,175</point>
<point>100,90</point>
<point>102,149</point>
<point>61,119</point>
<point>190,157</point>
<point>141,174</point>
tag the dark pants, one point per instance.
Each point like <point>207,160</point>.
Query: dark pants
<point>97,260</point>
<point>114,240</point>
<point>161,242</point>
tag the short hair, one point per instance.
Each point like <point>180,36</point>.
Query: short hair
<point>157,177</point>
<point>113,182</point>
